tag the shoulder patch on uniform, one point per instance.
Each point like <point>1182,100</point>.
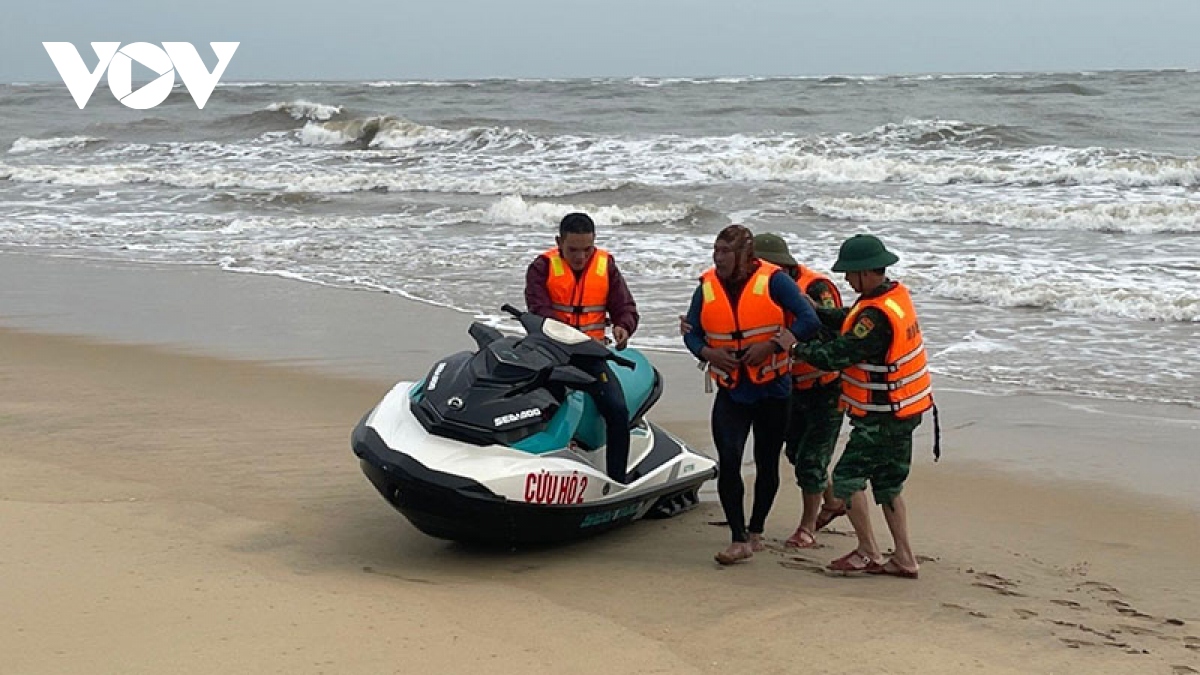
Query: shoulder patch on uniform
<point>863,327</point>
<point>826,299</point>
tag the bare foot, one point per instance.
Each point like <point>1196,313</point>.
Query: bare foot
<point>756,542</point>
<point>737,552</point>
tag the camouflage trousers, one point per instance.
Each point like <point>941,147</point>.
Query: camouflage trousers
<point>812,430</point>
<point>879,451</point>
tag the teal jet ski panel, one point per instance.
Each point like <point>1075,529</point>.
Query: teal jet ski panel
<point>578,417</point>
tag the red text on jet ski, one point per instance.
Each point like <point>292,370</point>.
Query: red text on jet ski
<point>549,488</point>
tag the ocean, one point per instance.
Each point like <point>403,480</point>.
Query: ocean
<point>1048,224</point>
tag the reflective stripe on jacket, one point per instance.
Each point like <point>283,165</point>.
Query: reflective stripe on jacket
<point>758,319</point>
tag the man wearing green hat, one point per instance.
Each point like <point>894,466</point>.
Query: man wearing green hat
<point>885,388</point>
<point>814,418</point>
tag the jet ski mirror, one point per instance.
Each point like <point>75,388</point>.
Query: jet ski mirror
<point>532,323</point>
<point>483,335</point>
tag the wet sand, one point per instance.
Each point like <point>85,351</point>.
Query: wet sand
<point>178,495</point>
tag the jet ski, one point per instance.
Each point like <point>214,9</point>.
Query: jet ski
<point>499,446</point>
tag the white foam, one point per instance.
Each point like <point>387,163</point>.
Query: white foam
<point>515,210</point>
<point>1164,215</point>
<point>386,84</point>
<point>302,179</point>
<point>301,109</point>
<point>27,145</point>
<point>1062,288</point>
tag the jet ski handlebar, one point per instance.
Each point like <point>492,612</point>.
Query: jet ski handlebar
<point>533,323</point>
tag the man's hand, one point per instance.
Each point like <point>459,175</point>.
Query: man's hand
<point>723,359</point>
<point>684,326</point>
<point>621,337</point>
<point>758,352</point>
<point>785,340</point>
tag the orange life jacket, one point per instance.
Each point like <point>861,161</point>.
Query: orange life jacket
<point>805,376</point>
<point>758,319</point>
<point>901,386</point>
<point>579,302</point>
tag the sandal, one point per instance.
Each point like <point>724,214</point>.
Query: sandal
<point>801,538</point>
<point>891,568</point>
<point>828,514</point>
<point>854,561</point>
<point>756,542</point>
<point>737,552</point>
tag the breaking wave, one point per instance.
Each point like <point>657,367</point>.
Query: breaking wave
<point>30,145</point>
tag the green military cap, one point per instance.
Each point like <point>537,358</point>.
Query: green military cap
<point>773,249</point>
<point>863,252</point>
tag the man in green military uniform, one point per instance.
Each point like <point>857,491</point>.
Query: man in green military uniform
<point>884,388</point>
<point>814,418</point>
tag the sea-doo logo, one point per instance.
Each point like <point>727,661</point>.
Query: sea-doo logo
<point>437,373</point>
<point>516,417</point>
<point>118,61</point>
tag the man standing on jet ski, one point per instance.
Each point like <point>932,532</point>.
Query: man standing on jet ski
<point>579,284</point>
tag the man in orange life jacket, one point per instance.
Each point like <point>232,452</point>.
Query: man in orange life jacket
<point>885,387</point>
<point>814,418</point>
<point>738,327</point>
<point>580,285</point>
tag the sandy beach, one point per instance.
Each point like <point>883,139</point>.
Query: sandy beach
<point>178,495</point>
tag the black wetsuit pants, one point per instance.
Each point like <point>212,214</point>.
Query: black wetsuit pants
<point>731,425</point>
<point>610,403</point>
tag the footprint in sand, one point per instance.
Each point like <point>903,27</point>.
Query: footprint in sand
<point>1002,590</point>
<point>1025,613</point>
<point>1124,608</point>
<point>1085,629</point>
<point>995,578</point>
<point>1068,603</point>
<point>1136,630</point>
<point>1074,643</point>
<point>995,582</point>
<point>803,564</point>
<point>970,612</point>
<point>1097,586</point>
<point>1183,670</point>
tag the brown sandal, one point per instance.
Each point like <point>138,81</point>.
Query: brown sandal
<point>892,569</point>
<point>801,538</point>
<point>854,561</point>
<point>737,552</point>
<point>828,515</point>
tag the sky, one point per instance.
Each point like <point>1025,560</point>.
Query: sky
<point>474,39</point>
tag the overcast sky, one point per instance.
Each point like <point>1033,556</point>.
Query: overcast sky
<point>449,39</point>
